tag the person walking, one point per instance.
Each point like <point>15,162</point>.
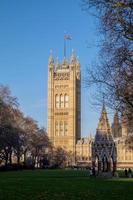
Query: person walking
<point>93,171</point>
<point>129,173</point>
<point>126,173</point>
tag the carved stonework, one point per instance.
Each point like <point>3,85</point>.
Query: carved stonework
<point>62,76</point>
<point>59,87</point>
<point>64,105</point>
<point>103,148</point>
<point>61,113</point>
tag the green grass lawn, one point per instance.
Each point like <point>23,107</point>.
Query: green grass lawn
<point>60,185</point>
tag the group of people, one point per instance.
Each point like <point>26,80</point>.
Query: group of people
<point>128,173</point>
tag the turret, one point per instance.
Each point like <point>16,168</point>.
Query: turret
<point>116,127</point>
<point>77,64</point>
<point>124,124</point>
<point>73,64</point>
<point>64,64</point>
<point>51,62</point>
<point>57,65</point>
<point>78,68</point>
<point>72,58</point>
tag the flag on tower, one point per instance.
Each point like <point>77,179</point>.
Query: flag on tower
<point>67,37</point>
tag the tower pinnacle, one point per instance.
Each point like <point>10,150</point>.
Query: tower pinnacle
<point>57,65</point>
<point>72,58</point>
<point>64,63</point>
<point>103,125</point>
<point>51,60</point>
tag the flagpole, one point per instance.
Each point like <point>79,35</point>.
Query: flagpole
<point>64,47</point>
<point>66,37</point>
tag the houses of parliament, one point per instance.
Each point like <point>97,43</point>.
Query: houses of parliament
<point>64,116</point>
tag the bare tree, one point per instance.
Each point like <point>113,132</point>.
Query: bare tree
<point>113,76</point>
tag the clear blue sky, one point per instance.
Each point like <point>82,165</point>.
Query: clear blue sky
<point>28,30</point>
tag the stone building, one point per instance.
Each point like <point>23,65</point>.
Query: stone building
<point>84,151</point>
<point>64,93</point>
<point>64,120</point>
<point>120,134</point>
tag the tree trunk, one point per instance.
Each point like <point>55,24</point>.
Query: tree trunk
<point>18,158</point>
<point>10,158</point>
<point>6,158</point>
<point>25,156</point>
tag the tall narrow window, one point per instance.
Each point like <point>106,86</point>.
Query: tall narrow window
<point>61,128</point>
<point>56,128</point>
<point>66,101</point>
<point>65,128</point>
<point>56,101</point>
<point>61,101</point>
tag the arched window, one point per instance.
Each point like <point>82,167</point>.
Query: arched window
<point>66,101</point>
<point>61,128</point>
<point>56,101</point>
<point>56,128</point>
<point>61,101</point>
<point>65,128</point>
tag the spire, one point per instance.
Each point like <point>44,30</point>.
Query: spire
<point>51,60</point>
<point>116,118</point>
<point>103,125</point>
<point>77,61</point>
<point>124,124</point>
<point>116,128</point>
<point>103,108</point>
<point>57,65</point>
<point>124,118</point>
<point>72,58</point>
<point>64,63</point>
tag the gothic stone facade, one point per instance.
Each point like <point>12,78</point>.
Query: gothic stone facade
<point>64,103</point>
<point>64,122</point>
